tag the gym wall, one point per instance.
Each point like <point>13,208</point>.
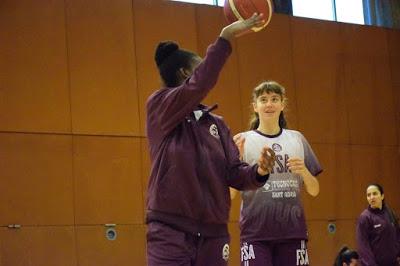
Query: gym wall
<point>75,76</point>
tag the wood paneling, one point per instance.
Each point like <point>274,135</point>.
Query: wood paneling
<point>375,165</point>
<point>108,188</point>
<point>367,83</point>
<point>38,246</point>
<point>234,256</point>
<point>129,247</point>
<point>88,68</point>
<point>101,49</point>
<point>235,207</point>
<point>226,93</point>
<point>321,244</point>
<point>317,63</point>
<point>146,167</point>
<point>394,53</point>
<point>168,21</point>
<point>37,183</point>
<point>345,235</point>
<point>393,42</point>
<point>34,94</point>
<point>267,55</point>
<point>336,185</point>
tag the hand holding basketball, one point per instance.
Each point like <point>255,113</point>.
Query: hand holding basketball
<point>241,27</point>
<point>243,9</point>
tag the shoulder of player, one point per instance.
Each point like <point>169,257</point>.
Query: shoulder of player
<point>293,132</point>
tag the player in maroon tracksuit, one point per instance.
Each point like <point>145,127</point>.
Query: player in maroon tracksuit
<point>378,231</point>
<point>194,160</point>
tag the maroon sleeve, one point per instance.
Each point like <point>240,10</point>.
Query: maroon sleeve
<point>241,175</point>
<point>168,107</point>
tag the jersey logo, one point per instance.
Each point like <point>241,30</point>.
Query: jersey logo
<point>247,253</point>
<point>225,252</point>
<point>214,131</point>
<point>302,255</point>
<point>276,147</point>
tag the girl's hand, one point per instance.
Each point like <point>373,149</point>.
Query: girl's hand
<point>266,161</point>
<point>239,141</point>
<point>297,166</point>
<point>242,27</point>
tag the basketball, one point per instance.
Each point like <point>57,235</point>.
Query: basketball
<point>244,9</point>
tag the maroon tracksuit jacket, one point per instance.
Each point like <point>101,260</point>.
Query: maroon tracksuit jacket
<point>194,160</point>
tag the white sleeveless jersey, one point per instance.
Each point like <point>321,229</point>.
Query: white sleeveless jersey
<point>275,211</point>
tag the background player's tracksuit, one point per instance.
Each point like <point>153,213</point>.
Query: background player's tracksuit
<point>378,239</point>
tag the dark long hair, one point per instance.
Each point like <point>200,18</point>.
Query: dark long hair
<point>268,87</point>
<point>392,215</point>
<point>170,59</point>
<point>345,255</point>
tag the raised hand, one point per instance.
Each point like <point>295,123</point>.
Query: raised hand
<point>242,27</point>
<point>266,161</point>
<point>239,141</point>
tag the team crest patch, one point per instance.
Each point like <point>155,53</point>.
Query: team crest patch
<point>225,252</point>
<point>276,147</point>
<point>214,131</point>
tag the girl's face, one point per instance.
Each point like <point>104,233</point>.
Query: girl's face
<point>269,106</point>
<point>374,197</point>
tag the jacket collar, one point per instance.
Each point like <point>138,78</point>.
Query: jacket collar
<point>203,109</point>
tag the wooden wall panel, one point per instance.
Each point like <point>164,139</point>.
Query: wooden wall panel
<point>36,173</point>
<point>108,185</point>
<point>129,248</point>
<point>317,63</point>
<point>168,21</point>
<point>367,82</point>
<point>234,214</point>
<point>389,173</point>
<point>336,185</point>
<point>101,50</point>
<point>47,245</point>
<point>146,168</point>
<point>321,243</point>
<point>267,55</point>
<point>394,53</point>
<point>226,93</point>
<point>371,164</point>
<point>234,246</point>
<point>345,235</point>
<point>393,42</point>
<point>34,94</point>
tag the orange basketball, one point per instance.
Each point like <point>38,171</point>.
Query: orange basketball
<point>243,9</point>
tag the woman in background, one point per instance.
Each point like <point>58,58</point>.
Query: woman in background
<point>378,232</point>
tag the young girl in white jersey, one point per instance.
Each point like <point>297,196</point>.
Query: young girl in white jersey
<point>272,222</point>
